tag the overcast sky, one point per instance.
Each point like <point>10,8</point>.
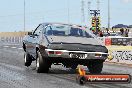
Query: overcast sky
<point>39,11</point>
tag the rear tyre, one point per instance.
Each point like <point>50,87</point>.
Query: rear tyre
<point>42,64</point>
<point>27,59</point>
<point>74,66</point>
<point>95,67</point>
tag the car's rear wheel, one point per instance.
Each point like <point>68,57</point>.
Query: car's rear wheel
<point>27,59</point>
<point>95,67</point>
<point>42,64</point>
<point>74,66</point>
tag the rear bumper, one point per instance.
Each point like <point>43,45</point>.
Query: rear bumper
<point>76,54</point>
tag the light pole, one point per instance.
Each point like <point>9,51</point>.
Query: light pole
<point>68,10</point>
<point>24,15</point>
<point>108,14</point>
<point>82,11</point>
<point>98,4</point>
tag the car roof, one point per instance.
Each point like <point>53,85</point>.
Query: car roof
<point>46,23</point>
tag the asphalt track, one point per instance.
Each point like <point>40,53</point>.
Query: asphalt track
<point>13,73</point>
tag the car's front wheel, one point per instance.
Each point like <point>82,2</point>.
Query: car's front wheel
<point>42,64</point>
<point>27,59</point>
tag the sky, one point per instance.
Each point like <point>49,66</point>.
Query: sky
<point>40,11</point>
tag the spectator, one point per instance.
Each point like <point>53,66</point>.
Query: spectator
<point>107,30</point>
<point>126,32</point>
<point>122,32</point>
<point>108,33</point>
<point>113,30</point>
<point>100,34</point>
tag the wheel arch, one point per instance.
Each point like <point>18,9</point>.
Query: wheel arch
<point>37,49</point>
<point>24,46</point>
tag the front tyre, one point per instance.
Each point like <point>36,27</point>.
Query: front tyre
<point>42,64</point>
<point>27,59</point>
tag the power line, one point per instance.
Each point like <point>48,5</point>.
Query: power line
<point>68,10</point>
<point>82,11</point>
<point>98,4</point>
<point>108,14</point>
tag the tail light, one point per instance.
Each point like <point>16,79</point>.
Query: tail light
<point>55,52</point>
<point>51,52</point>
<point>58,52</point>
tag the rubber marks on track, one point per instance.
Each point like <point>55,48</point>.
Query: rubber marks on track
<point>5,46</point>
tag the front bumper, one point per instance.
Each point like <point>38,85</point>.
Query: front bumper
<point>76,54</point>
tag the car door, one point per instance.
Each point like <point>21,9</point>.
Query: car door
<point>35,39</point>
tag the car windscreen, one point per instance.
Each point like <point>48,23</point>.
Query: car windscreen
<point>67,30</point>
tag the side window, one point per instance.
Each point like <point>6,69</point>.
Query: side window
<point>88,35</point>
<point>38,30</point>
<point>48,30</point>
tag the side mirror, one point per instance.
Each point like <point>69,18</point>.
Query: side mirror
<point>35,34</point>
<point>29,33</point>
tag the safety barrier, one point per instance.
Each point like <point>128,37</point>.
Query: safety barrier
<point>108,41</point>
<point>120,49</point>
<point>120,54</point>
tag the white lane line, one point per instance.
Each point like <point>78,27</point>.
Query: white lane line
<point>5,46</point>
<point>13,47</point>
<point>20,48</point>
<point>11,44</point>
